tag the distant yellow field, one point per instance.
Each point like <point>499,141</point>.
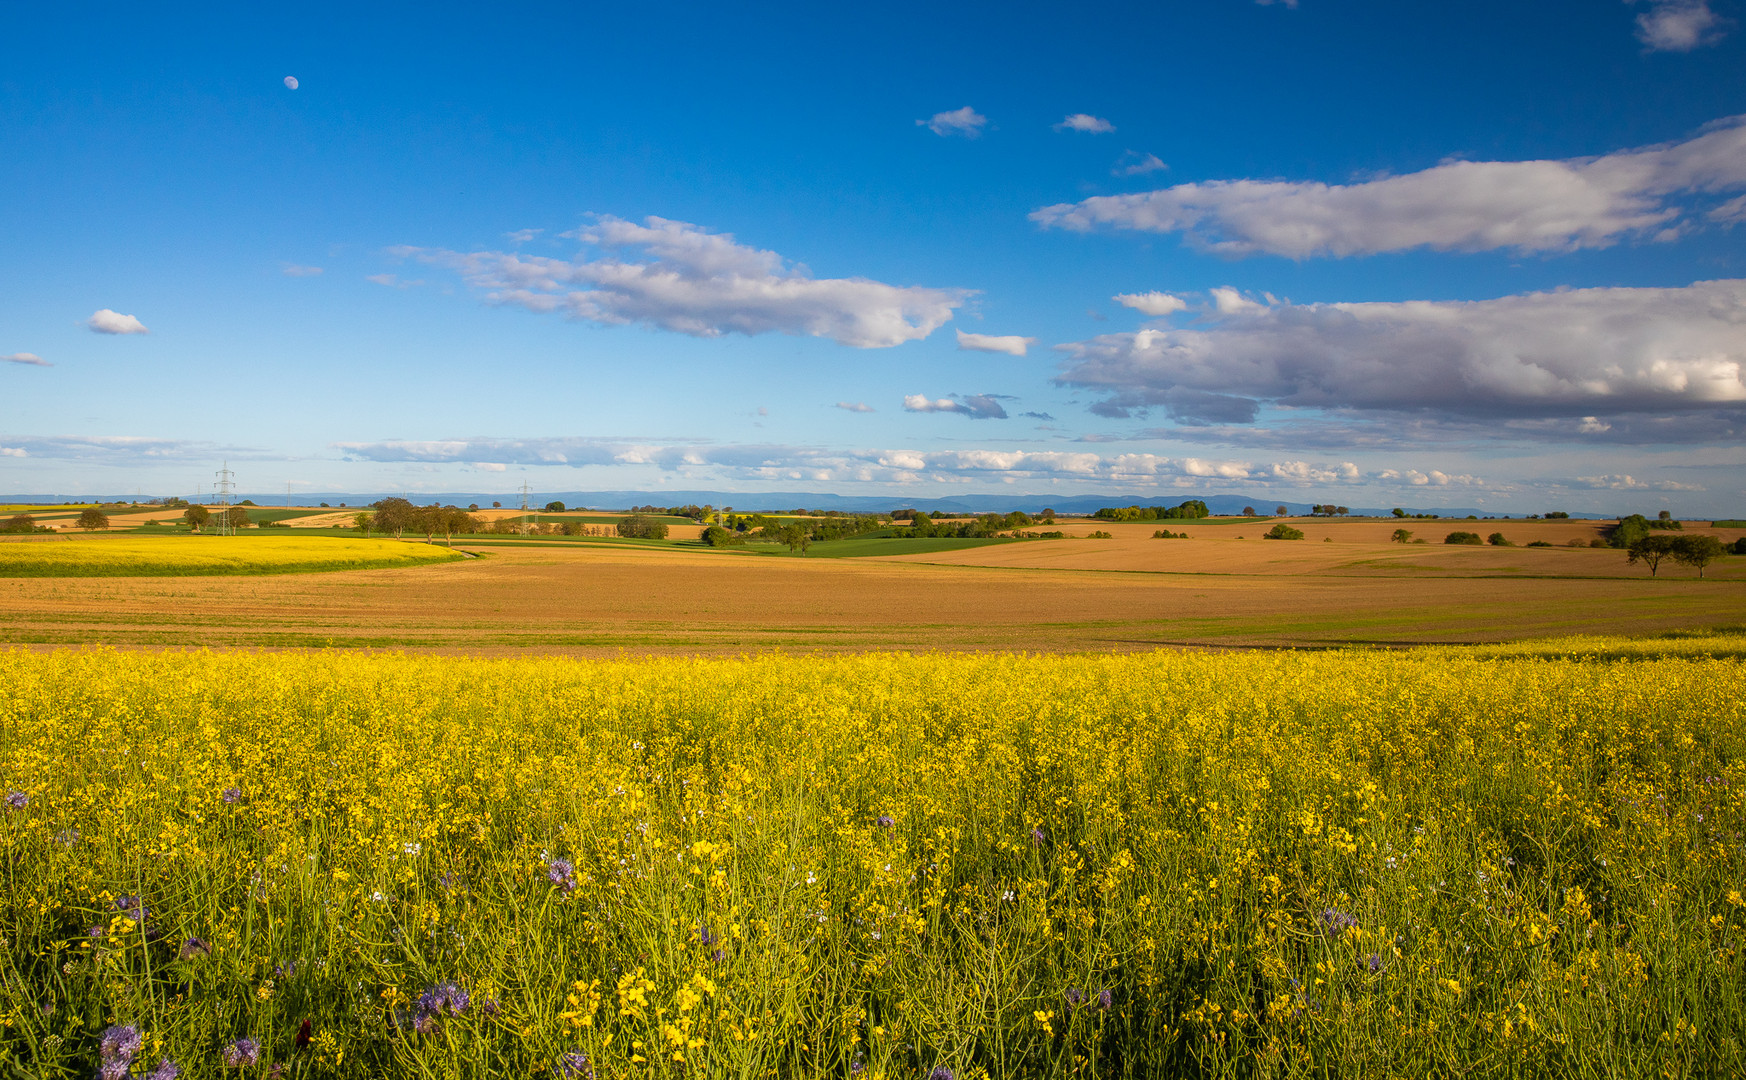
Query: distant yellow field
<point>174,556</point>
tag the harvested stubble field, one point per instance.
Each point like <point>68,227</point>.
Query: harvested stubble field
<point>1429,863</point>
<point>603,598</point>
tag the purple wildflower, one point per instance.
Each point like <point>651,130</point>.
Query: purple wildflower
<point>1075,998</point>
<point>242,1053</point>
<point>113,1070</point>
<point>17,800</point>
<point>942,1073</point>
<point>1038,836</point>
<point>1105,999</point>
<point>562,873</point>
<point>166,1070</point>
<point>575,1064</point>
<point>885,821</point>
<point>707,936</point>
<point>194,947</point>
<point>119,1043</point>
<point>1374,963</point>
<point>444,997</point>
<point>133,906</point>
<point>856,1066</point>
<point>231,795</point>
<point>1337,922</point>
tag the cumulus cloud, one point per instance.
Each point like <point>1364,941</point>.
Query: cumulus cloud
<point>1433,478</point>
<point>975,406</point>
<point>118,449</point>
<point>1094,125</point>
<point>966,122</point>
<point>1678,25</point>
<point>293,270</point>
<point>13,451</point>
<point>693,281</point>
<point>104,321</point>
<point>1573,353</point>
<point>1156,304</point>
<point>26,358</point>
<point>1527,206</point>
<point>776,462</point>
<point>1626,482</point>
<point>1136,164</point>
<point>855,406</point>
<point>1010,344</point>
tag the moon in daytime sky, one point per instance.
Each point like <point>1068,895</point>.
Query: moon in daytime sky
<point>291,82</point>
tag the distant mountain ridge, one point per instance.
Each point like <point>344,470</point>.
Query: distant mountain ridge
<point>771,501</point>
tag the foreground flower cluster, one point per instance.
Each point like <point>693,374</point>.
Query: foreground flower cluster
<point>1423,862</point>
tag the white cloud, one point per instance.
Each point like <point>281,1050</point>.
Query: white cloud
<point>119,449</point>
<point>104,321</point>
<point>702,283</point>
<point>1095,125</point>
<point>522,236</point>
<point>1458,206</point>
<point>1228,301</point>
<point>1010,344</point>
<point>1283,3</point>
<point>26,358</point>
<point>1626,482</point>
<point>855,406</point>
<point>1580,352</point>
<point>1678,25</point>
<point>975,406</point>
<point>293,270</point>
<point>1156,304</point>
<point>966,122</point>
<point>13,451</point>
<point>490,466</point>
<point>393,281</point>
<point>1135,164</point>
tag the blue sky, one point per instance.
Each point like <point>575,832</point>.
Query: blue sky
<point>1374,253</point>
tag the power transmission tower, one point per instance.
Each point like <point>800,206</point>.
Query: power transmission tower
<point>223,488</point>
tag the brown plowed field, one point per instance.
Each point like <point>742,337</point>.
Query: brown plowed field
<point>1130,593</point>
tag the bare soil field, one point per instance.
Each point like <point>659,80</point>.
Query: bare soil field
<point>1341,548</point>
<point>603,600</point>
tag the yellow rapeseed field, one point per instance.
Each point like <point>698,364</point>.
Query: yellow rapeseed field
<point>112,556</point>
<point>1402,864</point>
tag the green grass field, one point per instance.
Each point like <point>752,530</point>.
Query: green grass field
<point>179,556</point>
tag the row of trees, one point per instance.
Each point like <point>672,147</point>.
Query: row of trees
<point>1191,509</point>
<point>1696,551</point>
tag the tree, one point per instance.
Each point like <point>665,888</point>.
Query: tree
<point>1398,512</point>
<point>1463,538</point>
<point>93,518</point>
<point>20,523</point>
<point>1497,540</point>
<point>361,522</point>
<point>1697,551</point>
<point>642,527</point>
<point>1282,531</point>
<point>797,536</point>
<point>394,514</point>
<point>1740,546</point>
<point>1248,511</point>
<point>1402,536</point>
<point>452,521</point>
<point>196,516</point>
<point>1650,550</point>
<point>237,518</point>
<point>1280,511</point>
<point>1048,516</point>
<point>718,537</point>
<point>554,507</point>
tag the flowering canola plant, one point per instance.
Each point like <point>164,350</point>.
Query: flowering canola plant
<point>1421,862</point>
<point>172,556</point>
